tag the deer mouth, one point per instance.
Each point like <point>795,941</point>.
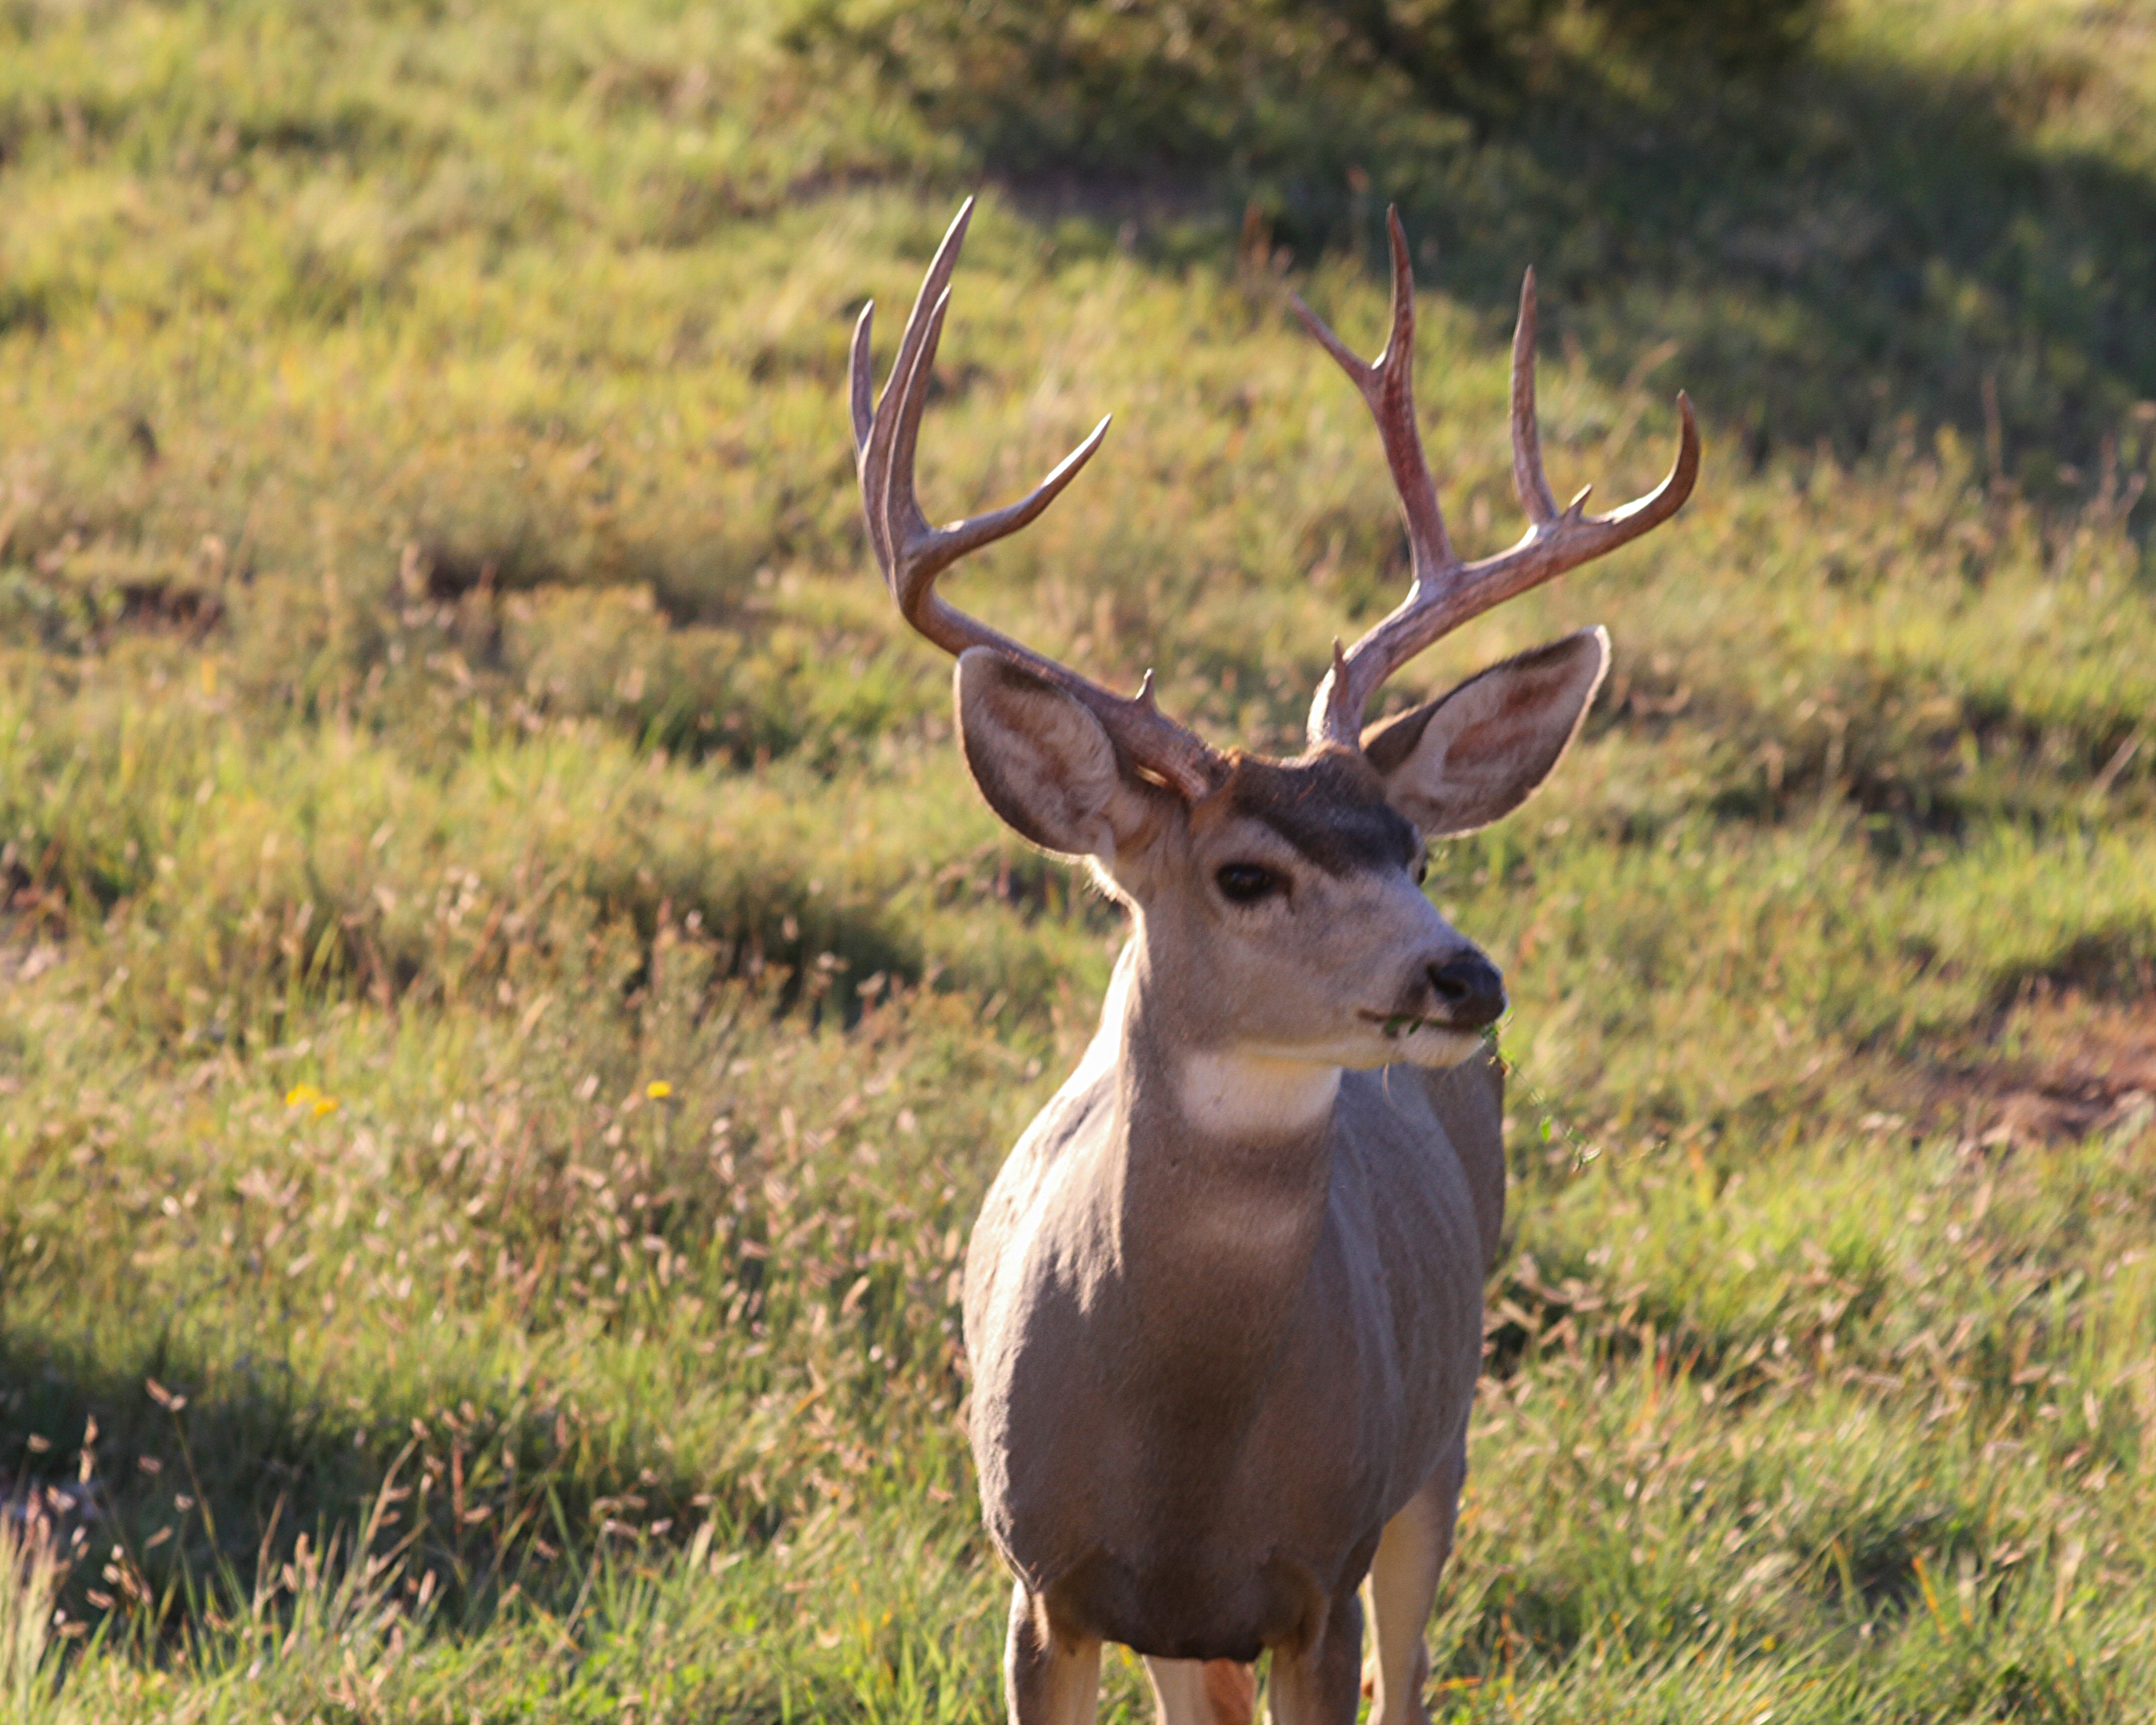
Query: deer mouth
<point>1394,1025</point>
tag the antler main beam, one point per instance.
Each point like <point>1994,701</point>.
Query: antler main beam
<point>1445,592</point>
<point>912,553</point>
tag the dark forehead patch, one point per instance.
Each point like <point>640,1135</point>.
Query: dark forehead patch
<point>1330,807</point>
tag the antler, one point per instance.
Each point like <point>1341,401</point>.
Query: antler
<point>912,553</point>
<point>1446,593</point>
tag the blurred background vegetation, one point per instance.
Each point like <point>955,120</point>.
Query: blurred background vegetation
<point>1254,90</point>
<point>508,1001</point>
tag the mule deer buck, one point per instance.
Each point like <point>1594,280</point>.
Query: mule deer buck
<point>1224,1305</point>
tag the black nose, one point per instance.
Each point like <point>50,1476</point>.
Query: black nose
<point>1469,992</point>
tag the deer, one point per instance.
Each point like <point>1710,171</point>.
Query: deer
<point>1223,1305</point>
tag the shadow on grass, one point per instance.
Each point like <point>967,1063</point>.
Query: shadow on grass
<point>1831,251</point>
<point>2108,963</point>
<point>181,1506</point>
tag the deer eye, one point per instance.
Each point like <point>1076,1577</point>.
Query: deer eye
<point>1421,869</point>
<point>1244,883</point>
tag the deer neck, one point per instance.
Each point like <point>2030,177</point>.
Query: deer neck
<point>1213,1188</point>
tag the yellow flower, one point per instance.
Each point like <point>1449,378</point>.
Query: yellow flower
<point>658,1090</point>
<point>305,1096</point>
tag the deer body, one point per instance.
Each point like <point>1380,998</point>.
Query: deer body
<point>1240,1352</point>
<point>1224,1303</point>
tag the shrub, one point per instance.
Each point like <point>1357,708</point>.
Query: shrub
<point>1108,85</point>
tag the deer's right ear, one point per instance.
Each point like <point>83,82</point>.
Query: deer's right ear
<point>1043,760</point>
<point>1458,762</point>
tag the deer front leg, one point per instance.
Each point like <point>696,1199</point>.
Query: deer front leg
<point>1320,1683</point>
<point>1402,1582</point>
<point>1050,1677</point>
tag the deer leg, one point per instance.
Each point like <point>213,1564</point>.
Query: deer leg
<point>1320,1683</point>
<point>1050,1677</point>
<point>1212,1692</point>
<point>1403,1582</point>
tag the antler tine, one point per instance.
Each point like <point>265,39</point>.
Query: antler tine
<point>1387,387</point>
<point>1444,596</point>
<point>1529,482</point>
<point>930,551</point>
<point>860,385</point>
<point>883,454</point>
<point>912,553</point>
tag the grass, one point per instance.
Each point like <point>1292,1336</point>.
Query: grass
<point>508,1002</point>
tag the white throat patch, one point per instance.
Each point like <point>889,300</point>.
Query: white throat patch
<point>1245,1095</point>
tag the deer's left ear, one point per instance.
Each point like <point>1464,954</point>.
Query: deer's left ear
<point>1459,762</point>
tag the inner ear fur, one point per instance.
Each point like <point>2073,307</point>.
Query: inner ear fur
<point>1043,763</point>
<point>1479,751</point>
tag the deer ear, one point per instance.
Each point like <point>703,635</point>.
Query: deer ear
<point>1043,760</point>
<point>1459,762</point>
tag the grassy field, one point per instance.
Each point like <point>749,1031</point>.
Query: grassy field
<point>509,1002</point>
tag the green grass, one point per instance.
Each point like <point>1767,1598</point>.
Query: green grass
<point>509,1002</point>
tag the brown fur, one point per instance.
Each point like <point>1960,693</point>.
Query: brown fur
<point>1330,806</point>
<point>1231,1690</point>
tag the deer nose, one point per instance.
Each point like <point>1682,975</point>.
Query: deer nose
<point>1469,990</point>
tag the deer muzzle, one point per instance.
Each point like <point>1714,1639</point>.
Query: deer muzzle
<point>1468,990</point>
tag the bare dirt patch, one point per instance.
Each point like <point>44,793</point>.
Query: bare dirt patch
<point>2062,1067</point>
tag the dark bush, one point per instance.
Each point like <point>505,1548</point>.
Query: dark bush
<point>1735,35</point>
<point>1123,85</point>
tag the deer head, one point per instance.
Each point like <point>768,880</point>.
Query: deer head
<point>1279,905</point>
